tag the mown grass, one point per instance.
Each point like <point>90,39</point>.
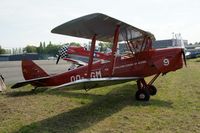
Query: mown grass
<point>176,107</point>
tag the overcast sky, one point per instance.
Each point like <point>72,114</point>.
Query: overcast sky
<point>27,22</point>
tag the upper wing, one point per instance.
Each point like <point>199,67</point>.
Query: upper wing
<point>101,25</point>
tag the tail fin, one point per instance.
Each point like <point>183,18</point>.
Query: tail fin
<point>31,70</point>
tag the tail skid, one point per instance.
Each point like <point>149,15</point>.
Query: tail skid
<point>31,70</point>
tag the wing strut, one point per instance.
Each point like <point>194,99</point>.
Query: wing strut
<point>114,49</point>
<point>91,56</point>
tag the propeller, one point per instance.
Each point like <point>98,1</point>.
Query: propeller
<point>184,58</point>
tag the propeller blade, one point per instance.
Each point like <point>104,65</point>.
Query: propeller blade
<point>58,59</point>
<point>184,58</point>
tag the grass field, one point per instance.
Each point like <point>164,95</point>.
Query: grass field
<point>175,108</point>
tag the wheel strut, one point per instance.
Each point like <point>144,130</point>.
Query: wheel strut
<point>145,90</point>
<point>142,93</point>
<point>154,78</point>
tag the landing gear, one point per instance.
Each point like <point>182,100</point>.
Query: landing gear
<point>145,90</point>
<point>152,90</point>
<point>142,95</point>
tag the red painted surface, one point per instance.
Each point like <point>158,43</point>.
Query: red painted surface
<point>142,64</point>
<point>114,50</point>
<point>31,70</point>
<point>83,52</point>
<point>91,56</point>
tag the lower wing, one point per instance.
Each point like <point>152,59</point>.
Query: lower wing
<point>96,82</point>
<point>82,84</point>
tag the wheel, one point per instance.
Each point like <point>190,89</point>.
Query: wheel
<point>152,90</point>
<point>142,95</point>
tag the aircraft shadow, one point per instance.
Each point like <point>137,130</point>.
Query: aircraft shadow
<point>81,95</point>
<point>87,115</point>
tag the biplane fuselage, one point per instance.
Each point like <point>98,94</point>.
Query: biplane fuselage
<point>141,65</point>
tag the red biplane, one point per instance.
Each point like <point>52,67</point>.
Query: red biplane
<point>137,61</point>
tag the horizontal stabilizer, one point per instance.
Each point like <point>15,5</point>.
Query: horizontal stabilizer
<point>26,82</point>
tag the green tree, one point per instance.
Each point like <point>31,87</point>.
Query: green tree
<point>104,45</point>
<point>40,49</point>
<point>52,49</point>
<point>50,43</point>
<point>2,51</point>
<point>30,49</point>
<point>44,45</point>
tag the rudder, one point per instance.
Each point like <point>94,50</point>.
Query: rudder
<point>31,70</point>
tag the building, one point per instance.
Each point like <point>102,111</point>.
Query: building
<point>17,57</point>
<point>169,43</point>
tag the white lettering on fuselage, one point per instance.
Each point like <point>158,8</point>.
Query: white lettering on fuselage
<point>166,62</point>
<point>94,74</point>
<point>128,65</point>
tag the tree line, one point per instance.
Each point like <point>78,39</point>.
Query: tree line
<point>43,48</point>
<point>50,48</point>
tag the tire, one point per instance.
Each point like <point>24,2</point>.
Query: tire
<point>152,90</point>
<point>142,95</point>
